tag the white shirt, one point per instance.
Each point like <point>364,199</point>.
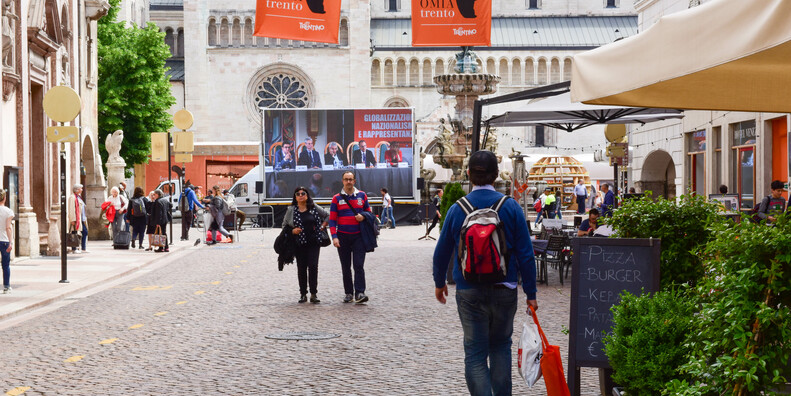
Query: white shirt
<point>5,214</point>
<point>387,201</point>
<point>118,202</point>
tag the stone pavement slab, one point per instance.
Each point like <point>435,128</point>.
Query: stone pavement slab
<point>35,282</point>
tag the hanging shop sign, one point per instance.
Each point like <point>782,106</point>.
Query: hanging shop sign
<point>305,20</point>
<point>451,23</point>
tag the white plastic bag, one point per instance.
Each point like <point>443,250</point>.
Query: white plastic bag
<point>530,353</point>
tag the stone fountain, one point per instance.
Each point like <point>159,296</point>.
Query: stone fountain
<point>466,84</point>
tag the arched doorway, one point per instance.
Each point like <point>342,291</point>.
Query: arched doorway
<point>659,175</point>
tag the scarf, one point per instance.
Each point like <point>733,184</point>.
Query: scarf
<point>302,239</point>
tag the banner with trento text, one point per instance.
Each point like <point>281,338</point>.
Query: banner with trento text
<point>306,20</point>
<point>451,23</point>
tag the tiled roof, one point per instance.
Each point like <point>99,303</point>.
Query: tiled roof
<point>522,32</point>
<point>176,71</point>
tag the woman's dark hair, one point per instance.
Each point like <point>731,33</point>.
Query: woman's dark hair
<point>294,197</point>
<point>384,190</point>
<point>138,193</point>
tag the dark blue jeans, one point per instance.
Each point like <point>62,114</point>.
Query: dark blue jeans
<point>352,253</point>
<point>6,263</point>
<point>487,318</point>
<point>581,204</point>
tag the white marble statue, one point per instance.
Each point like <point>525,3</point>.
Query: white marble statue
<point>112,143</point>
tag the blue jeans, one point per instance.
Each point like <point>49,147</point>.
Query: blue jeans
<point>388,213</point>
<point>84,236</point>
<point>581,204</point>
<point>487,318</point>
<point>6,261</point>
<point>538,218</point>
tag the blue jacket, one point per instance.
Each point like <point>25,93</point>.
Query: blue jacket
<point>368,231</point>
<point>192,199</point>
<point>516,234</point>
<point>607,203</point>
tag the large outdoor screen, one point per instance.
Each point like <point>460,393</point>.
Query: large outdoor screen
<point>313,148</point>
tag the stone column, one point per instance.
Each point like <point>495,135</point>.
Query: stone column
<point>94,197</point>
<point>28,232</point>
<point>53,234</point>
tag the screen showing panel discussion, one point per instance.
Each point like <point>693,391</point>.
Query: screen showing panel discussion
<point>313,148</point>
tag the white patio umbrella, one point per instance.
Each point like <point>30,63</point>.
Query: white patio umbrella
<point>561,113</point>
<point>732,55</point>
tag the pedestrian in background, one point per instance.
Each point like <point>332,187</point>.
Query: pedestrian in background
<point>149,201</point>
<point>487,310</point>
<point>345,219</point>
<point>160,217</point>
<point>582,194</point>
<point>138,218</point>
<point>608,202</point>
<point>216,205</point>
<point>120,203</point>
<point>307,221</point>
<point>6,231</point>
<point>187,203</point>
<point>387,208</point>
<point>437,215</point>
<point>78,221</point>
<point>230,199</point>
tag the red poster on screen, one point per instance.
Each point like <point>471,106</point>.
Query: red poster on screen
<point>386,125</point>
<point>306,20</point>
<point>451,23</point>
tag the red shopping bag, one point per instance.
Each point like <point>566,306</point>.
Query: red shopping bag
<point>551,365</point>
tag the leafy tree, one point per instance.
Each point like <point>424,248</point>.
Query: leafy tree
<point>683,225</point>
<point>134,91</point>
<point>451,194</point>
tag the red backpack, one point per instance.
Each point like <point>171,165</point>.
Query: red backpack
<point>483,252</point>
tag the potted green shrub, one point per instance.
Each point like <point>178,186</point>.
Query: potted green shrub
<point>451,194</point>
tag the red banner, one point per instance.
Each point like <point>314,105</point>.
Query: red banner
<point>387,125</point>
<point>451,23</point>
<point>306,20</point>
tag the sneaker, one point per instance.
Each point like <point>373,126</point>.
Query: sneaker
<point>77,251</point>
<point>7,290</point>
<point>361,298</point>
<point>303,298</point>
<point>86,251</point>
<point>141,247</point>
<point>133,244</point>
<point>348,298</point>
<point>314,299</point>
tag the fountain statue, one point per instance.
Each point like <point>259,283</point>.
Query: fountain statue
<point>453,134</point>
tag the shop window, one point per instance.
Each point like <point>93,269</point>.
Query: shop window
<point>696,163</point>
<point>744,138</point>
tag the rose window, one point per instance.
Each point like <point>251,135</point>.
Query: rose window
<point>281,91</point>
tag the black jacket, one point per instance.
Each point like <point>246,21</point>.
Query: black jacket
<point>369,230</point>
<point>285,247</point>
<point>160,212</point>
<point>370,160</point>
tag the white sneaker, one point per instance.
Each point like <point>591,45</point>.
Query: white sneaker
<point>86,251</point>
<point>78,251</point>
<point>7,290</point>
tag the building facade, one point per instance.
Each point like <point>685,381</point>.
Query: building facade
<point>223,74</point>
<point>47,43</point>
<point>707,149</point>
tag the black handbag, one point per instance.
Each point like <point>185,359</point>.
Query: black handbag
<point>324,237</point>
<point>73,240</point>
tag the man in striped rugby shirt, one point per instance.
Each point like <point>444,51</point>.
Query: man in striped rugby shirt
<point>345,229</point>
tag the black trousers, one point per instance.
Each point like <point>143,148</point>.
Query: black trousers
<point>434,222</point>
<point>308,267</point>
<point>186,223</point>
<point>352,253</point>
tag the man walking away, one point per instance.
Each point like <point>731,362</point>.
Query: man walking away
<point>608,202</point>
<point>437,215</point>
<point>345,218</point>
<point>187,203</point>
<point>582,194</point>
<point>486,309</point>
<point>772,205</point>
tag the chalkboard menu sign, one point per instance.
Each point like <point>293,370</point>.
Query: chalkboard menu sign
<point>603,268</point>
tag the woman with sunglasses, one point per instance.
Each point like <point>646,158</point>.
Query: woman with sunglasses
<point>308,221</point>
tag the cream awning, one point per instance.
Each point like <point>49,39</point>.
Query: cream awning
<point>723,55</point>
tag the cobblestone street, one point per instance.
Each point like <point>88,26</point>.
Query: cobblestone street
<point>198,326</point>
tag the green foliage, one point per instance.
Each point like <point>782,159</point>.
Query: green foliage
<point>645,348</point>
<point>451,194</point>
<point>741,342</point>
<point>134,91</point>
<point>682,225</point>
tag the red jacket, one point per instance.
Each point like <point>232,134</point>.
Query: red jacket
<point>110,212</point>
